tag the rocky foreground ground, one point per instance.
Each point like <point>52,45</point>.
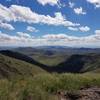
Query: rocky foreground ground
<point>83,94</point>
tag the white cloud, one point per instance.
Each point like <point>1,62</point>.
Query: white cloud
<point>7,39</point>
<point>73,28</point>
<point>6,26</point>
<point>95,2</point>
<point>55,36</point>
<point>23,35</point>
<point>50,2</point>
<point>66,40</point>
<point>24,39</point>
<point>6,14</point>
<point>25,14</point>
<point>59,16</point>
<point>31,29</point>
<point>79,11</point>
<point>84,29</point>
<point>71,4</point>
<point>97,32</point>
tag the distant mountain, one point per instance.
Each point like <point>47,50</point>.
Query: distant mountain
<point>6,48</point>
<point>50,50</point>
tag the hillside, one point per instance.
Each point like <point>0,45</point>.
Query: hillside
<point>25,77</point>
<point>56,55</point>
<point>80,63</point>
<point>75,63</point>
<point>11,67</point>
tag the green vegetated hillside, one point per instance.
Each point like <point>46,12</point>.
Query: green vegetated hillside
<point>23,77</point>
<point>65,59</point>
<point>80,63</point>
<point>47,86</point>
<point>75,63</point>
<point>10,67</point>
<point>43,55</point>
<point>54,55</point>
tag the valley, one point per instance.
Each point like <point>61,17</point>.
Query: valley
<point>46,73</point>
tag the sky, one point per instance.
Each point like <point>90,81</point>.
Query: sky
<point>74,23</point>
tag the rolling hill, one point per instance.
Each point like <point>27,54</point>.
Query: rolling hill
<point>28,75</point>
<point>75,63</point>
<point>80,63</point>
<point>54,55</point>
<point>12,67</point>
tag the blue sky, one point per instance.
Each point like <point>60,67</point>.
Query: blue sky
<point>50,22</point>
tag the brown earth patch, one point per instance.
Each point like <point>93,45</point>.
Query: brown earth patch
<point>92,93</point>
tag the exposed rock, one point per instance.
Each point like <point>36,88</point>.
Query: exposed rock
<point>84,94</point>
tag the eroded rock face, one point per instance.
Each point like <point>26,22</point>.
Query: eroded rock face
<point>84,94</point>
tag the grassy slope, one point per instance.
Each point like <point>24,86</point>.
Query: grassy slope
<point>47,57</point>
<point>59,62</point>
<point>93,65</point>
<point>50,61</point>
<point>42,86</point>
<point>63,61</point>
<point>80,63</point>
<point>91,62</point>
<point>10,67</point>
<point>45,86</point>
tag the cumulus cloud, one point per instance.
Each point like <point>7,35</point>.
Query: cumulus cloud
<point>95,2</point>
<point>23,35</point>
<point>25,14</point>
<point>84,29</point>
<point>59,16</point>
<point>24,39</point>
<point>19,39</point>
<point>79,11</point>
<point>71,4</point>
<point>73,28</point>
<point>97,32</point>
<point>55,36</point>
<point>5,38</point>
<point>31,29</point>
<point>60,37</point>
<point>6,26</point>
<point>66,40</point>
<point>50,2</point>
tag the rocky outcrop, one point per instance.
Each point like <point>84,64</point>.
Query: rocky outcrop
<point>84,94</point>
